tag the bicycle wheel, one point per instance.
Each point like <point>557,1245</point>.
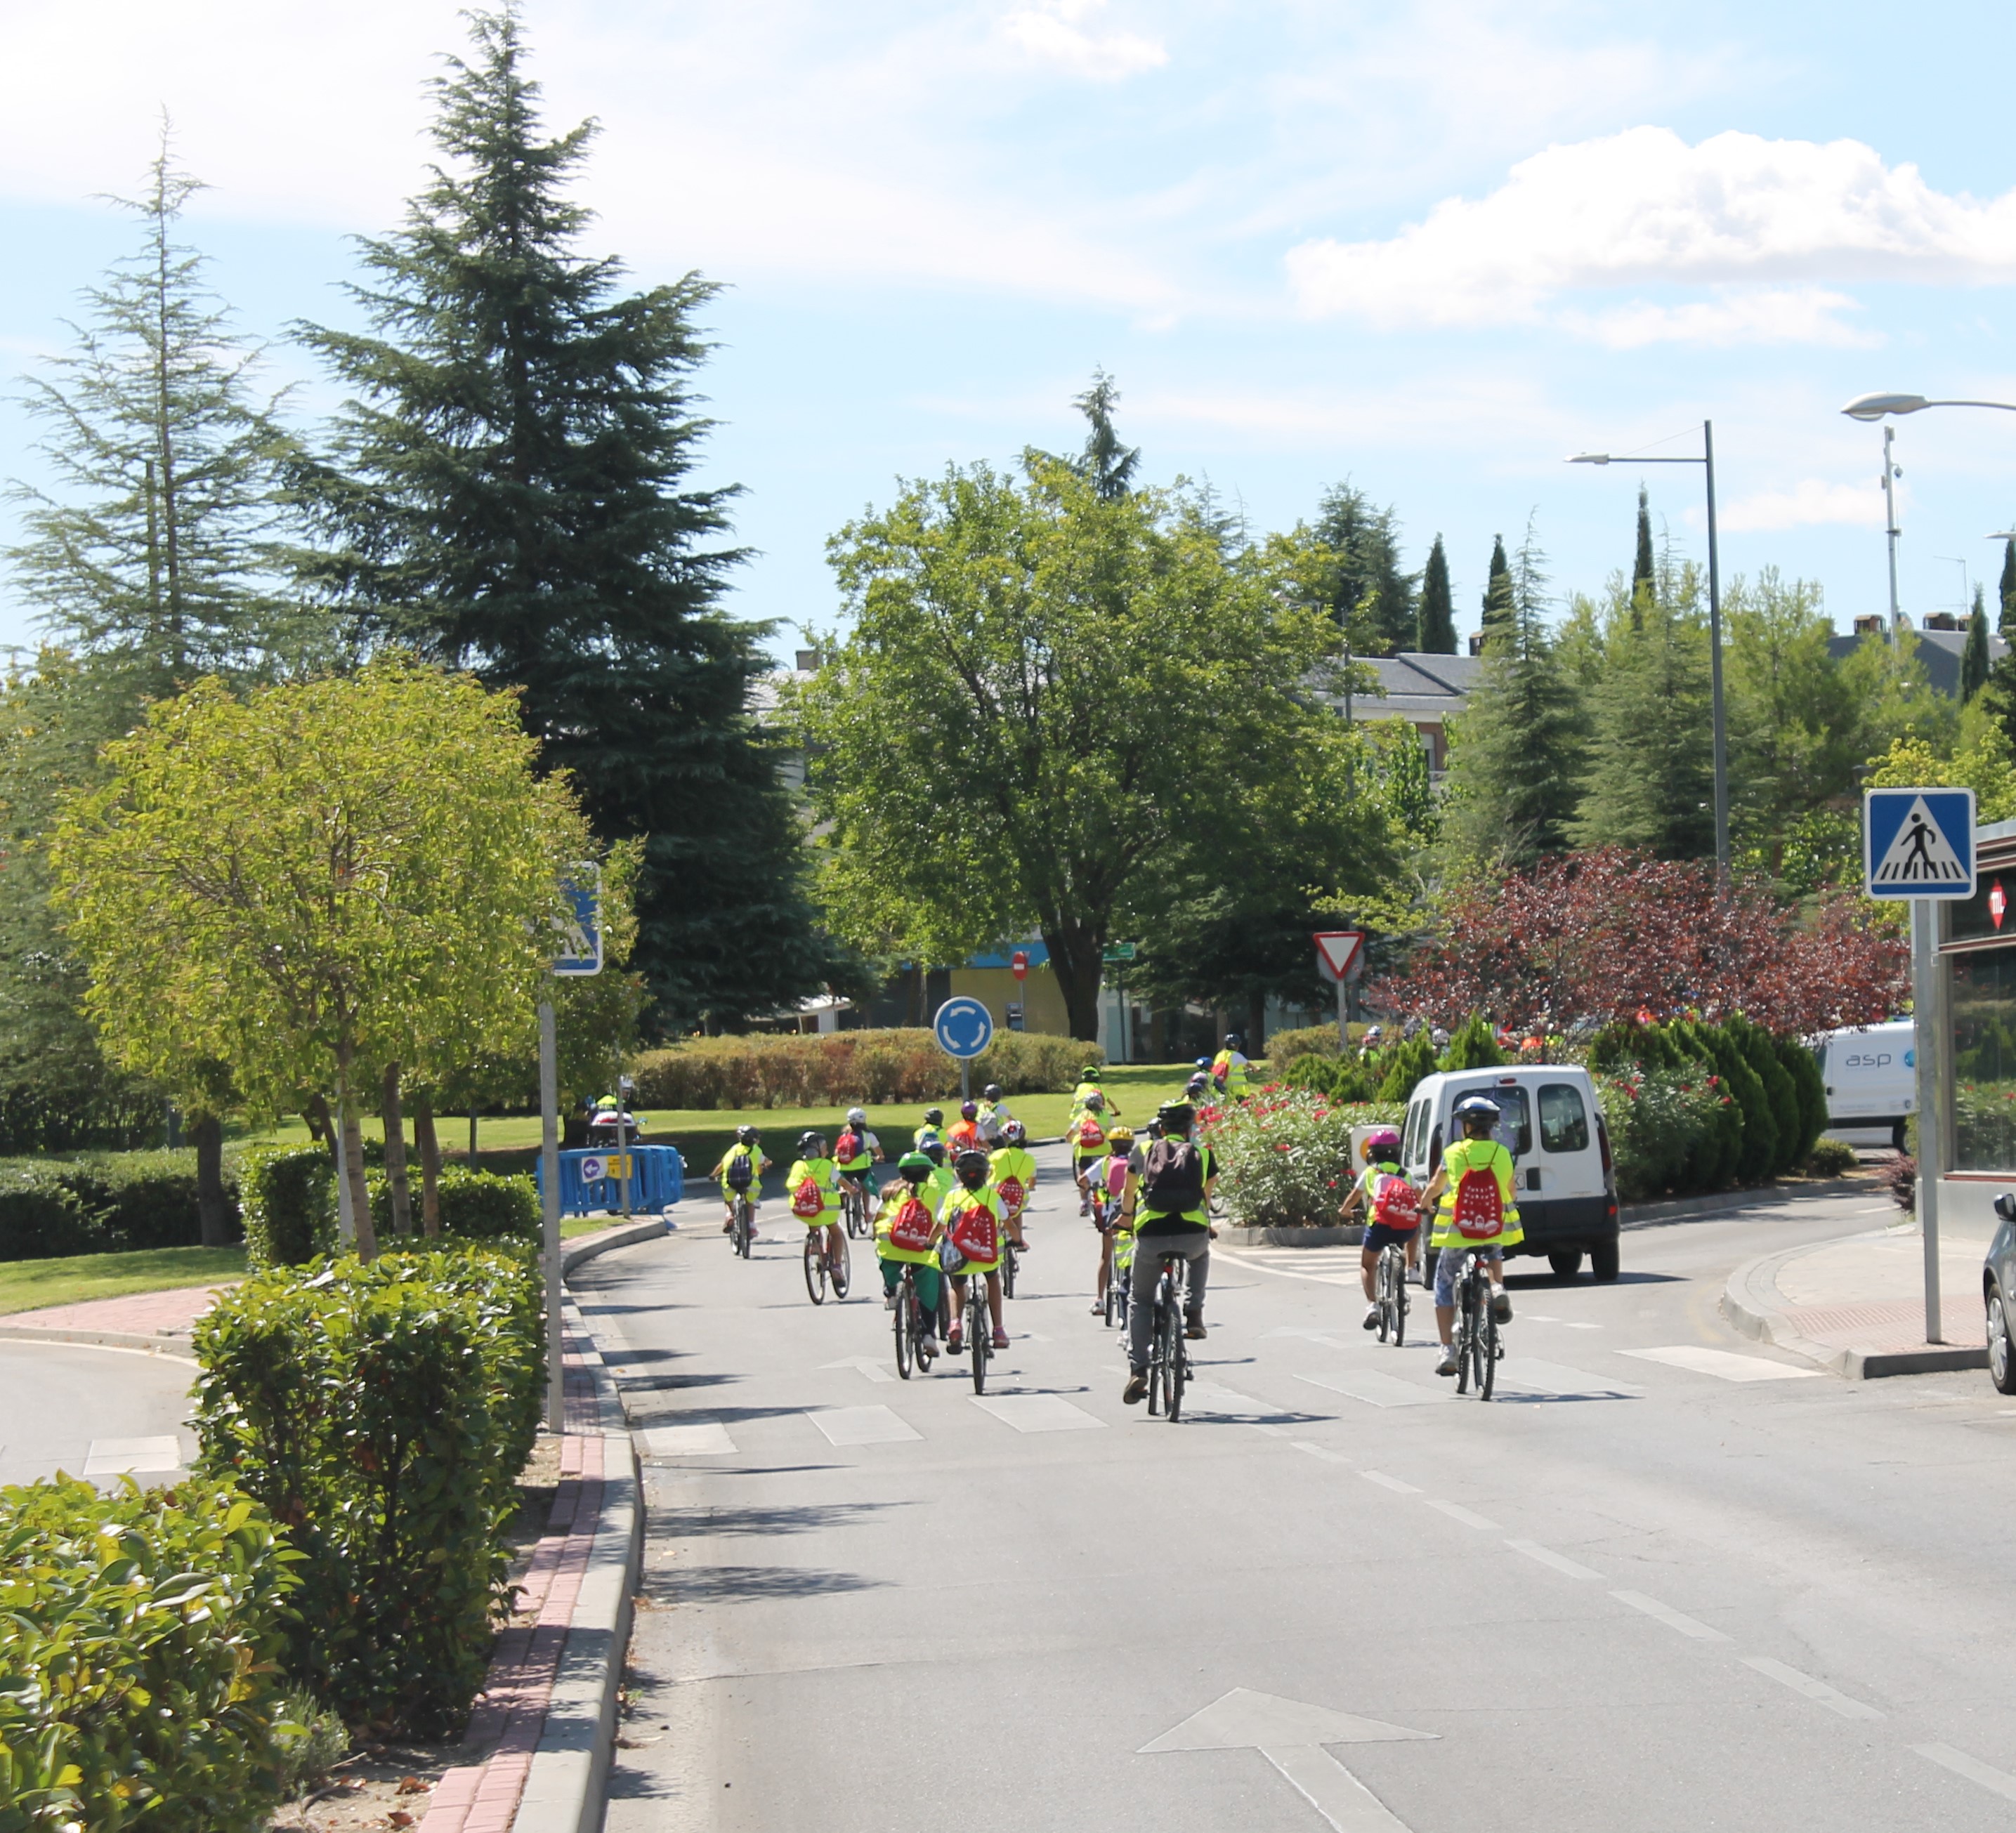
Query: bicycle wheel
<point>1180,1355</point>
<point>814,1266</point>
<point>1466,1320</point>
<point>1487,1350</point>
<point>1399,1297</point>
<point>1008,1272</point>
<point>980,1336</point>
<point>1382,1280</point>
<point>906,1299</point>
<point>842,1274</point>
<point>1169,1330</point>
<point>745,1226</point>
<point>1157,1349</point>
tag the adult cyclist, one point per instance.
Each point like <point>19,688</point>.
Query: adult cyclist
<point>813,1186</point>
<point>1392,1208</point>
<point>1171,1216</point>
<point>1476,1211</point>
<point>974,1225</point>
<point>1230,1068</point>
<point>740,1173</point>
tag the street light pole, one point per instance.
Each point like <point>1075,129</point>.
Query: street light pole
<point>1890,523</point>
<point>1720,713</point>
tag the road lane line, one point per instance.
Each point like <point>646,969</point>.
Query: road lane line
<point>1390,1482</point>
<point>1036,1412</point>
<point>1469,1517</point>
<point>1672,1618</point>
<point>863,1425</point>
<point>1375,1388</point>
<point>1547,1556</point>
<point>1817,1691</point>
<point>1996,1781</point>
<point>1724,1364</point>
<point>1321,1451</point>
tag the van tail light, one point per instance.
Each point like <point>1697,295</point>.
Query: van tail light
<point>1603,1140</point>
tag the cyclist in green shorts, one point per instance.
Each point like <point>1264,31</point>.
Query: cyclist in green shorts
<point>906,1210</point>
<point>974,1222</point>
<point>748,1151</point>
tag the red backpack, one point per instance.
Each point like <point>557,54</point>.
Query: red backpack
<point>1012,1192</point>
<point>1091,1135</point>
<point>910,1228</point>
<point>1396,1204</point>
<point>847,1148</point>
<point>1479,1213</point>
<point>807,1201</point>
<point>973,1233</point>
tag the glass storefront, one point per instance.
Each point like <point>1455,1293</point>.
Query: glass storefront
<point>1983,994</point>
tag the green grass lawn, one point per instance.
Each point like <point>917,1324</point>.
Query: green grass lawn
<point>28,1285</point>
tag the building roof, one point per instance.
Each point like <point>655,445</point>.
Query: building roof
<point>1939,651</point>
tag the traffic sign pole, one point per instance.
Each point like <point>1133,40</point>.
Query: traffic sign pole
<point>549,1166</point>
<point>1925,1004</point>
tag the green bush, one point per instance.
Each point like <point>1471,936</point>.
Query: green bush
<point>381,1410</point>
<point>1832,1158</point>
<point>842,1066</point>
<point>289,1197</point>
<point>1810,1085</point>
<point>100,1203</point>
<point>110,1115</point>
<point>1284,1157</point>
<point>41,1216</point>
<point>1666,1131</point>
<point>1781,1095</point>
<point>1313,1072</point>
<point>475,1206</point>
<point>1401,1066</point>
<point>1474,1046</point>
<point>1285,1048</point>
<point>140,1629</point>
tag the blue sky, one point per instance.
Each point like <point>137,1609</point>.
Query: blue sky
<point>1432,248</point>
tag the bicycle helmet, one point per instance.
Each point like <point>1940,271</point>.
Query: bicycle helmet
<point>1197,1085</point>
<point>1439,1038</point>
<point>934,1149</point>
<point>915,1166</point>
<point>1120,1138</point>
<point>1477,1115</point>
<point>969,1110</point>
<point>991,1092</point>
<point>1204,1064</point>
<point>1012,1131</point>
<point>972,1169</point>
<point>811,1145</point>
<point>1234,1041</point>
<point>933,1117</point>
<point>1089,1072</point>
<point>1177,1116</point>
<point>1373,1033</point>
<point>856,1117</point>
<point>1095,1101</point>
<point>1381,1142</point>
<point>747,1136</point>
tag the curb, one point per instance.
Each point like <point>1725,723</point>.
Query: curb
<point>1747,1303</point>
<point>1726,1202</point>
<point>170,1348</point>
<point>1347,1234</point>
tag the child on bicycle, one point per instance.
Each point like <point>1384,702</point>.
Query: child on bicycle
<point>1476,1213</point>
<point>740,1173</point>
<point>1086,1135</point>
<point>907,1233</point>
<point>1115,1182</point>
<point>1391,1207</point>
<point>973,1222</point>
<point>1012,1170</point>
<point>813,1186</point>
<point>856,1152</point>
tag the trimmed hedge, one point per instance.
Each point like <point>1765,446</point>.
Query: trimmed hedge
<point>1283,1048</point>
<point>842,1066</point>
<point>1347,1079</point>
<point>475,1206</point>
<point>102,1203</point>
<point>141,1630</point>
<point>381,1411</point>
<point>42,1217</point>
<point>290,1203</point>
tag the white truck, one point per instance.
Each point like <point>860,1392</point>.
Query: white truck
<point>1871,1072</point>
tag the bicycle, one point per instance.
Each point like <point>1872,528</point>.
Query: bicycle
<point>1115,1300</point>
<point>1477,1345</point>
<point>1011,1258</point>
<point>1389,1285</point>
<point>979,1329</point>
<point>914,1344</point>
<point>821,1267</point>
<point>1168,1359</point>
<point>742,1226</point>
<point>853,1208</point>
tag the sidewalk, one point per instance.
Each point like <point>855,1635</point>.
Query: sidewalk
<point>159,1322</point>
<point>1857,1305</point>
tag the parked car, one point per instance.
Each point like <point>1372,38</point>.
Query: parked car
<point>1561,1152</point>
<point>1998,1296</point>
<point>1870,1072</point>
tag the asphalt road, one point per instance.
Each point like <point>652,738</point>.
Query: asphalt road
<point>90,1412</point>
<point>1668,1579</point>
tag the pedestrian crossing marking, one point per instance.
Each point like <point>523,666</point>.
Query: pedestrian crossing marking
<point>133,1456</point>
<point>863,1425</point>
<point>705,1438</point>
<point>1558,1382</point>
<point>1375,1389</point>
<point>1724,1364</point>
<point>1036,1412</point>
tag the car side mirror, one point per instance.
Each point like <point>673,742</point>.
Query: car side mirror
<point>2005,1207</point>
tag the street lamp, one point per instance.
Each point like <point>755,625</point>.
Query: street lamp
<point>1706,461</point>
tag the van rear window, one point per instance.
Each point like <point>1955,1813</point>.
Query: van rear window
<point>1514,1130</point>
<point>1564,1119</point>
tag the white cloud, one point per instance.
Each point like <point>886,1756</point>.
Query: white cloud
<point>1812,502</point>
<point>1643,207</point>
<point>1803,314</point>
<point>1050,33</point>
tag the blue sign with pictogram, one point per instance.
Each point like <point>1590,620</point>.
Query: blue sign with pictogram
<point>578,927</point>
<point>963,1027</point>
<point>1918,842</point>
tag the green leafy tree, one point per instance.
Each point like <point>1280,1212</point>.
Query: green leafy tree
<point>511,491</point>
<point>316,882</point>
<point>1043,689</point>
<point>1367,591</point>
<point>1436,635</point>
<point>1516,765</point>
<point>1643,570</point>
<point>1974,658</point>
<point>1498,609</point>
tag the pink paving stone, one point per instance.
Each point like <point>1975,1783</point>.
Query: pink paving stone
<point>146,1313</point>
<point>1878,1324</point>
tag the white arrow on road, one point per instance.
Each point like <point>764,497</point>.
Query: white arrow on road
<point>867,1365</point>
<point>1291,1735</point>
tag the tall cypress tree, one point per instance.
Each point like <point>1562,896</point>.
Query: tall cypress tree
<point>1436,632</point>
<point>510,491</point>
<point>2005,608</point>
<point>1974,658</point>
<point>1642,570</point>
<point>1497,606</point>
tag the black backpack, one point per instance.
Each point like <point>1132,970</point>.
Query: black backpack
<point>741,1173</point>
<point>1173,1179</point>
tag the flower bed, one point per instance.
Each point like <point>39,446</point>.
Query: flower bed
<point>1284,1158</point>
<point>1671,1132</point>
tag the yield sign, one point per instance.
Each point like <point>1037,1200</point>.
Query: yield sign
<point>1338,952</point>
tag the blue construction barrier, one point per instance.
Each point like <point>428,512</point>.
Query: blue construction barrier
<point>657,1181</point>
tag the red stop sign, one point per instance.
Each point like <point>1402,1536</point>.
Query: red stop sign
<point>1018,963</point>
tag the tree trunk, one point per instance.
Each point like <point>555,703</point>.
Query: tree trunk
<point>213,1208</point>
<point>1256,1026</point>
<point>320,1128</point>
<point>472,1139</point>
<point>396,1185</point>
<point>1075,950</point>
<point>360,1197</point>
<point>429,1148</point>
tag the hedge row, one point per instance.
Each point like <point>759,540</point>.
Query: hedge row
<point>141,1631</point>
<point>290,1208</point>
<point>380,1412</point>
<point>842,1066</point>
<point>102,1204</point>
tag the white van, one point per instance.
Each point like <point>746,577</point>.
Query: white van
<point>1560,1153</point>
<point>1870,1073</point>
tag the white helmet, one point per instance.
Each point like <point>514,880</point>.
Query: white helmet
<point>857,1117</point>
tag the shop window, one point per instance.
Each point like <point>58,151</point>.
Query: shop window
<point>1983,991</point>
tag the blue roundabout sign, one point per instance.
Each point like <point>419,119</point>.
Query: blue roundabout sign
<point>963,1027</point>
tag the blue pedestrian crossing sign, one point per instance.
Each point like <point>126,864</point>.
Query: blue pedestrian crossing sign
<point>963,1027</point>
<point>1918,842</point>
<point>577,925</point>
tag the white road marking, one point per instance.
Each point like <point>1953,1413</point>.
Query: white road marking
<point>1267,1426</point>
<point>1469,1517</point>
<point>863,1425</point>
<point>1672,1618</point>
<point>1333,1791</point>
<point>1996,1781</point>
<point>1390,1482</point>
<point>133,1456</point>
<point>1551,1378</point>
<point>1036,1412</point>
<point>1209,1395</point>
<point>863,1365</point>
<point>1321,1451</point>
<point>1349,1279</point>
<point>1573,1323</point>
<point>1724,1364</point>
<point>1817,1691</point>
<point>1374,1387</point>
<point>708,1438</point>
<point>1547,1556</point>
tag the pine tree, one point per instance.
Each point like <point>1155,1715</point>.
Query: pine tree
<point>1974,658</point>
<point>1436,633</point>
<point>1519,745</point>
<point>510,491</point>
<point>1498,609</point>
<point>1369,593</point>
<point>2006,593</point>
<point>1109,465</point>
<point>1641,562</point>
